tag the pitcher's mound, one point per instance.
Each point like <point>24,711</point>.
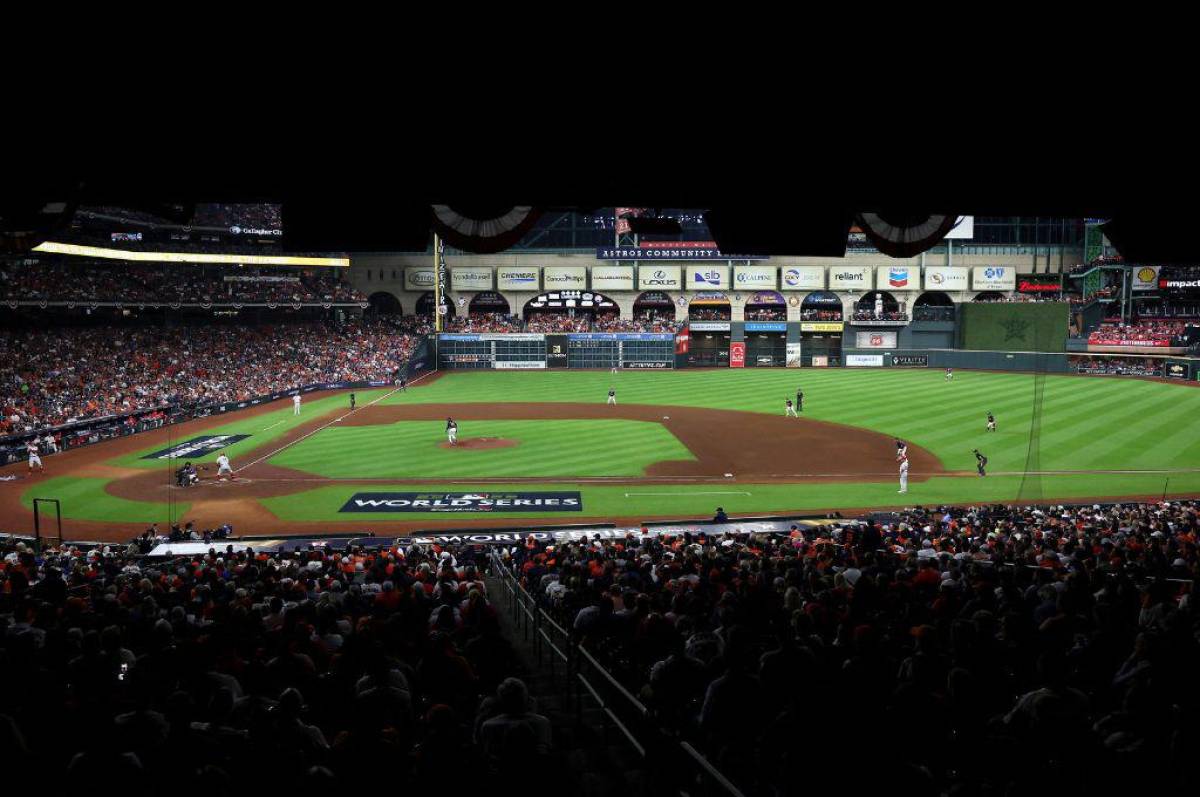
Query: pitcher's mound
<point>478,443</point>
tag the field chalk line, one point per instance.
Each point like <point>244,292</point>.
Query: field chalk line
<point>735,492</point>
<point>302,438</point>
<point>272,426</point>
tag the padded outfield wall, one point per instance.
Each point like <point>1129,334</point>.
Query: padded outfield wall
<point>1040,326</point>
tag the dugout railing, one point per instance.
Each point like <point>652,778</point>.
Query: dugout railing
<point>671,765</point>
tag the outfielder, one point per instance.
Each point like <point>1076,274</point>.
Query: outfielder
<point>34,459</point>
<point>223,467</point>
<point>949,374</point>
<point>991,425</point>
<point>296,404</point>
<point>612,396</point>
<point>789,410</point>
<point>452,431</point>
<point>903,475</point>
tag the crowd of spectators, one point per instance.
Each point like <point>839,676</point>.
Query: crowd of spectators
<point>1143,332</point>
<point>886,315</point>
<point>557,322</point>
<point>720,313</point>
<point>239,672</point>
<point>929,312</point>
<point>821,315</point>
<point>771,312</point>
<point>1120,366</point>
<point>983,650</point>
<point>484,322</point>
<point>644,322</point>
<point>86,372</point>
<point>146,283</point>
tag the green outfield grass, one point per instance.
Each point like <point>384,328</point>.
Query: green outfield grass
<point>84,499</point>
<point>413,449</point>
<point>261,429</point>
<point>1085,424</point>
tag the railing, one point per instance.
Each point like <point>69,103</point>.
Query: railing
<point>676,766</point>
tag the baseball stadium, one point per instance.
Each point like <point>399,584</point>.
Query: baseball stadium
<point>606,467</point>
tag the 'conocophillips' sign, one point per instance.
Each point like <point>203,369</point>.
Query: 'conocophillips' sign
<point>565,277</point>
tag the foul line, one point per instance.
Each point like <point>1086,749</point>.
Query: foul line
<point>304,437</point>
<point>272,426</point>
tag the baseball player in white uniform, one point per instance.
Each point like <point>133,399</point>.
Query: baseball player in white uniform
<point>50,444</point>
<point>223,467</point>
<point>612,396</point>
<point>789,410</point>
<point>903,475</point>
<point>949,375</point>
<point>34,459</point>
<point>296,404</point>
<point>452,431</point>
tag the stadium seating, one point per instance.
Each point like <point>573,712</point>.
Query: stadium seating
<point>1145,332</point>
<point>989,650</point>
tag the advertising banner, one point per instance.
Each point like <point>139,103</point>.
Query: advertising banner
<point>822,326</point>
<point>709,326</point>
<point>619,336</point>
<point>556,351</point>
<point>673,250</point>
<point>1178,284</point>
<point>876,340</point>
<point>911,360</point>
<point>803,278</point>
<point>645,364</point>
<point>820,361</point>
<point>898,278</point>
<point>793,355</point>
<point>945,278</point>
<point>1145,278</point>
<point>659,278</point>
<point>993,278</point>
<point>864,360</point>
<point>564,277</point>
<point>766,326</point>
<point>755,277</point>
<point>464,502</point>
<point>852,278</point>
<point>419,278</point>
<point>197,446</point>
<point>737,355</point>
<point>682,341</point>
<point>512,336</point>
<point>1103,340</point>
<point>612,278</point>
<point>707,278</point>
<point>471,279</point>
<point>518,365</point>
<point>1177,370</point>
<point>1038,283</point>
<point>517,279</point>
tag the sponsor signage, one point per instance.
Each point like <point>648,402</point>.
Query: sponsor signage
<point>1038,284</point>
<point>1177,371</point>
<point>471,279</point>
<point>802,278</point>
<point>659,278</point>
<point>1101,340</point>
<point>851,278</point>
<point>755,277</point>
<point>793,355</point>
<point>876,340</point>
<point>645,364</point>
<point>945,278</point>
<point>620,336</point>
<point>766,297</point>
<point>671,250</point>
<point>706,278</point>
<point>822,299</point>
<point>766,326</point>
<point>518,365</point>
<point>569,277</point>
<point>513,336</point>
<point>197,446</point>
<point>1145,278</point>
<point>419,278</point>
<point>1178,284</point>
<point>612,278</point>
<point>822,326</point>
<point>517,279</point>
<point>709,326</point>
<point>911,360</point>
<point>464,502</point>
<point>737,355</point>
<point>993,278</point>
<point>864,360</point>
<point>898,278</point>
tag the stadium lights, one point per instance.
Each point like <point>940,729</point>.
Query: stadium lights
<point>103,252</point>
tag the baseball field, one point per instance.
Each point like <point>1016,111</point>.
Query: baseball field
<point>545,447</point>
